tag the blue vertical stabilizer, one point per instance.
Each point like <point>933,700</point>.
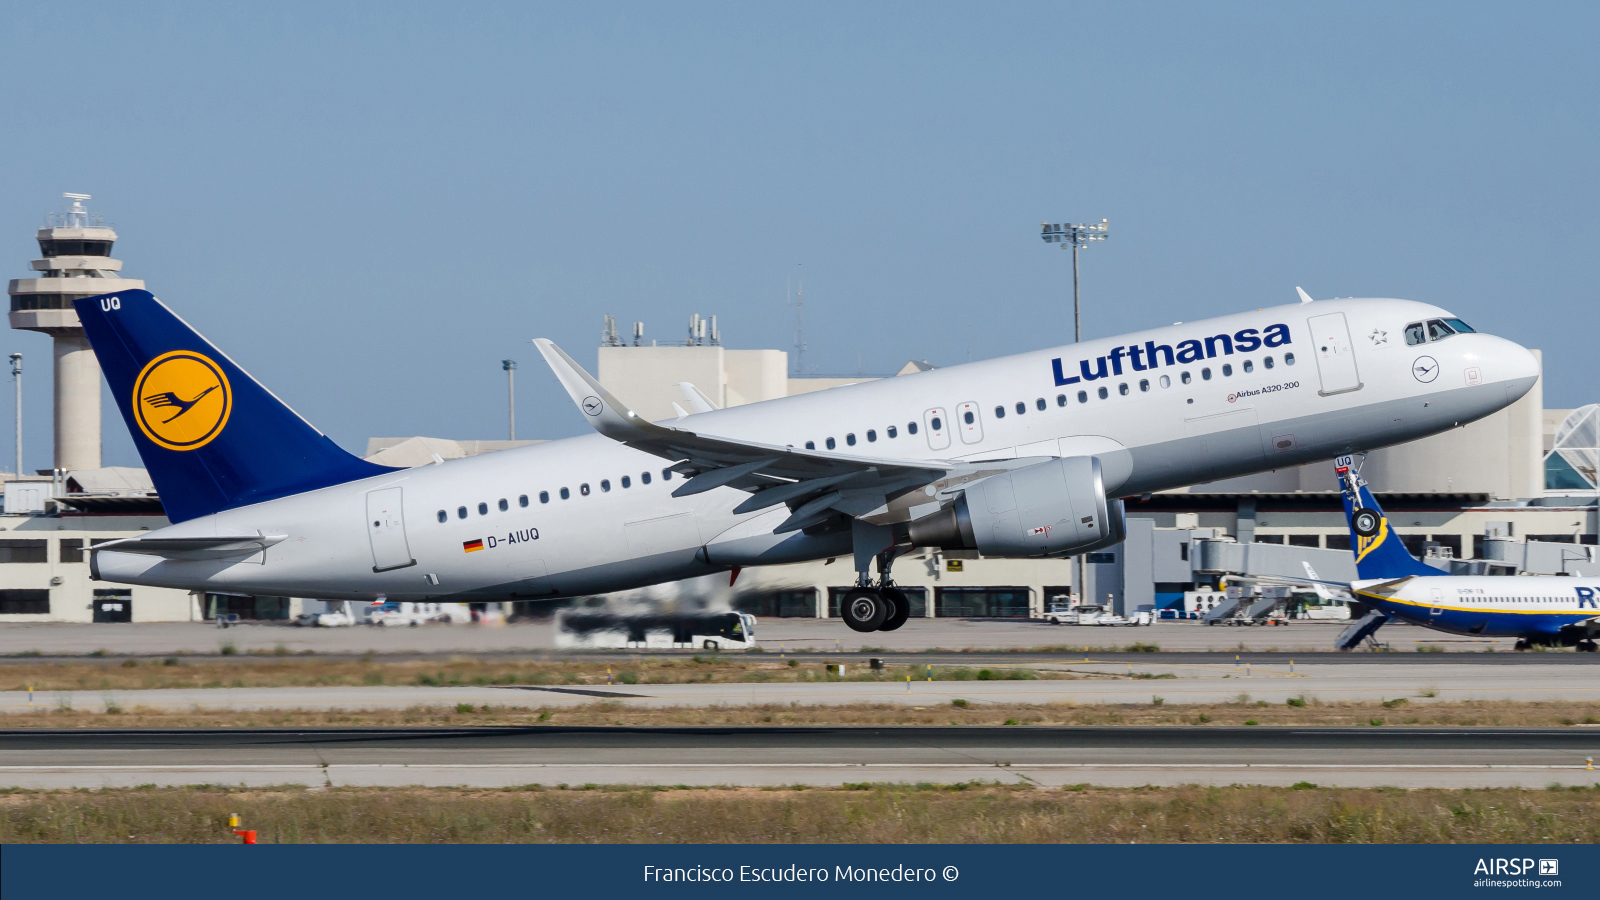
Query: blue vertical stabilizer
<point>212,437</point>
<point>1379,553</point>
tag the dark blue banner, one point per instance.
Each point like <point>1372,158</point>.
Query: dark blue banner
<point>1300,872</point>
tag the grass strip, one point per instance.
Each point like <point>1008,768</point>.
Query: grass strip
<point>879,814</point>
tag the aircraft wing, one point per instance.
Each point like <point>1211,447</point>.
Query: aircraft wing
<point>814,484</point>
<point>212,547</point>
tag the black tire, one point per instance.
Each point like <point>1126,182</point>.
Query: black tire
<point>1366,522</point>
<point>900,612</point>
<point>863,610</point>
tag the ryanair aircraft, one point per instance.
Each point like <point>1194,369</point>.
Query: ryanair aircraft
<point>1535,609</point>
<point>1023,456</point>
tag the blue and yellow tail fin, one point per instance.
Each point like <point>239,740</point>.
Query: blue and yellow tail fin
<point>212,437</point>
<point>1378,550</point>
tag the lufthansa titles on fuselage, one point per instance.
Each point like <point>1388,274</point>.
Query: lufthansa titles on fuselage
<point>1150,355</point>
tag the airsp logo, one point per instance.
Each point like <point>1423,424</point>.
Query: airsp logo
<point>593,406</point>
<point>182,400</point>
<point>1426,369</point>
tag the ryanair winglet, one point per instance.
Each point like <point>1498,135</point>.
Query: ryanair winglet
<point>1379,552</point>
<point>212,437</point>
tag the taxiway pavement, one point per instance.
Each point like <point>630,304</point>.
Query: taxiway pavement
<point>1046,756</point>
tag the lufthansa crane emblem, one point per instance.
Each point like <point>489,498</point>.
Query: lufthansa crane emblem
<point>1425,369</point>
<point>592,406</point>
<point>182,400</point>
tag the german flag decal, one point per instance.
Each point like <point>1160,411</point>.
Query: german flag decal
<point>471,546</point>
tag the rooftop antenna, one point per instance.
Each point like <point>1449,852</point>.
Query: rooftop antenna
<point>608,333</point>
<point>77,215</point>
<point>638,333</point>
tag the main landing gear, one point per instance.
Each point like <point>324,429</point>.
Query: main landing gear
<point>868,606</point>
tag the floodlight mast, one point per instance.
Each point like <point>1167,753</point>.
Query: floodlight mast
<point>1074,236</point>
<point>510,367</point>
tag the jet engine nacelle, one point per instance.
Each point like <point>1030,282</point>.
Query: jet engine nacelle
<point>1050,509</point>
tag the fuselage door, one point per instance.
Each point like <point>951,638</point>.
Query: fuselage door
<point>970,421</point>
<point>386,527</point>
<point>1336,356</point>
<point>937,425</point>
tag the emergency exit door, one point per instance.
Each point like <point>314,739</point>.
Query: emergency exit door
<point>386,527</point>
<point>1336,355</point>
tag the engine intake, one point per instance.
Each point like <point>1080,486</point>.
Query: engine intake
<point>1050,509</point>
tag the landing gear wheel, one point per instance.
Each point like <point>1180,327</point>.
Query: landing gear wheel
<point>1366,522</point>
<point>900,609</point>
<point>1587,646</point>
<point>1521,644</point>
<point>863,610</point>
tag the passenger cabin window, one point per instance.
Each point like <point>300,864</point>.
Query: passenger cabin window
<point>544,496</point>
<point>1267,361</point>
<point>1039,404</point>
<point>605,485</point>
<point>999,413</point>
<point>1288,359</point>
<point>504,504</point>
<point>461,512</point>
<point>831,444</point>
<point>1415,334</point>
<point>644,477</point>
<point>1083,396</point>
<point>1205,374</point>
<point>666,474</point>
<point>443,516</point>
<point>523,500</point>
<point>1103,394</point>
<point>566,494</point>
<point>483,509</point>
<point>1227,370</point>
<point>937,425</point>
<point>1144,384</point>
<point>893,433</point>
<point>627,482</point>
<point>1123,389</point>
<point>1249,366</point>
<point>1021,407</point>
<point>584,489</point>
<point>1061,399</point>
<point>850,439</point>
<point>911,427</point>
<point>1166,382</point>
<point>811,445</point>
<point>871,435</point>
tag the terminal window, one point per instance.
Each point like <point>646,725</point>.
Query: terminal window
<point>15,551</point>
<point>72,550</point>
<point>24,603</point>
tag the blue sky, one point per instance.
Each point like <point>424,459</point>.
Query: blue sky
<point>369,205</point>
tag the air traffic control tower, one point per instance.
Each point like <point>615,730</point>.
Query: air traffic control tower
<point>76,250</point>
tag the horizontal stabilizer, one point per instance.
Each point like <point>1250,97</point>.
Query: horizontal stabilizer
<point>217,547</point>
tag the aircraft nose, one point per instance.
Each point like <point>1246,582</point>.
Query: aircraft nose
<point>1515,365</point>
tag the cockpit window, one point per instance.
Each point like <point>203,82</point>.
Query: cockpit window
<point>1438,330</point>
<point>1459,327</point>
<point>1415,334</point>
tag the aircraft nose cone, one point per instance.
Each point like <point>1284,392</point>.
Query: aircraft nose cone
<point>1518,367</point>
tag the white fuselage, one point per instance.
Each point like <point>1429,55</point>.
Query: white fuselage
<point>618,526</point>
<point>1521,606</point>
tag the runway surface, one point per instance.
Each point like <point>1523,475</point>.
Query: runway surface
<point>1046,756</point>
<point>797,635</point>
<point>1127,680</point>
